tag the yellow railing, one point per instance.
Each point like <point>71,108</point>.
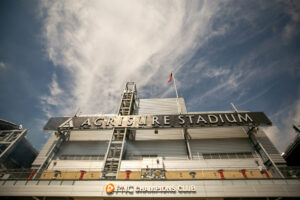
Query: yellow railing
<point>147,174</point>
<point>70,175</point>
<point>203,174</point>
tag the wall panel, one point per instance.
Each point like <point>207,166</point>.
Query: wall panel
<point>40,159</point>
<point>87,135</point>
<point>162,134</point>
<point>217,132</point>
<point>220,146</point>
<point>173,149</point>
<point>83,148</point>
<point>162,106</point>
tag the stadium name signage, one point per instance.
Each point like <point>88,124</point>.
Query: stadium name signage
<point>160,121</point>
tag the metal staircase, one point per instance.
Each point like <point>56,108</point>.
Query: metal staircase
<point>50,150</point>
<point>116,144</point>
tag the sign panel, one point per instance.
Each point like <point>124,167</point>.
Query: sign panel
<point>159,121</point>
<point>140,189</point>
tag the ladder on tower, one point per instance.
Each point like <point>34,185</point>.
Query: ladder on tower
<point>114,153</point>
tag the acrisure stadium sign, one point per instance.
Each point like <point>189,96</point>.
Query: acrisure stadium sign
<point>159,121</point>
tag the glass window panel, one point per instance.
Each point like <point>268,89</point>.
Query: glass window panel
<point>240,155</point>
<point>206,156</point>
<point>231,155</point>
<point>215,156</point>
<point>248,155</point>
<point>223,156</point>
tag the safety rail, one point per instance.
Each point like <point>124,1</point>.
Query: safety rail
<point>146,174</point>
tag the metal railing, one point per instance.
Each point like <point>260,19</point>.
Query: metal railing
<point>148,174</point>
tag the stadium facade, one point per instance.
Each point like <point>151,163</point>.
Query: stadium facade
<point>155,148</point>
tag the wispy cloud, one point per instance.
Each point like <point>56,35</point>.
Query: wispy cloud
<point>2,65</point>
<point>292,29</point>
<point>54,88</point>
<point>282,133</point>
<point>216,72</point>
<point>103,44</point>
<point>57,98</point>
<point>256,96</point>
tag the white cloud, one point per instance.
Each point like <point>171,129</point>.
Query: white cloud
<point>103,44</point>
<point>55,92</point>
<point>56,98</point>
<point>233,81</point>
<point>2,65</point>
<point>227,86</point>
<point>215,72</point>
<point>292,28</point>
<point>284,134</point>
<point>54,88</point>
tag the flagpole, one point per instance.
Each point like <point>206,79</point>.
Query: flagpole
<point>178,104</point>
<point>175,86</point>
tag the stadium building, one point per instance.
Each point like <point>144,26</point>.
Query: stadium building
<point>16,152</point>
<point>155,148</point>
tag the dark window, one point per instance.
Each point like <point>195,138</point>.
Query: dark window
<point>241,155</point>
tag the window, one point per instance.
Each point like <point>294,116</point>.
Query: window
<point>249,155</point>
<point>206,156</point>
<point>215,156</point>
<point>81,157</point>
<point>224,156</point>
<point>240,155</point>
<point>149,156</point>
<point>232,156</point>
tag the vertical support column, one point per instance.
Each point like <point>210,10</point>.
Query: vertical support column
<point>187,143</point>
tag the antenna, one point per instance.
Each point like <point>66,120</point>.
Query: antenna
<point>77,112</point>
<point>297,128</point>
<point>233,106</point>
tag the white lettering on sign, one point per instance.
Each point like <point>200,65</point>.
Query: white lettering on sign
<point>157,189</point>
<point>67,124</point>
<point>159,121</point>
<point>241,118</point>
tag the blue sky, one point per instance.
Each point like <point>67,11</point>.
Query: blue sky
<point>60,56</point>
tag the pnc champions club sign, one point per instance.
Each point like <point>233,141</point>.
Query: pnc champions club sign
<point>159,121</point>
<point>131,189</point>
